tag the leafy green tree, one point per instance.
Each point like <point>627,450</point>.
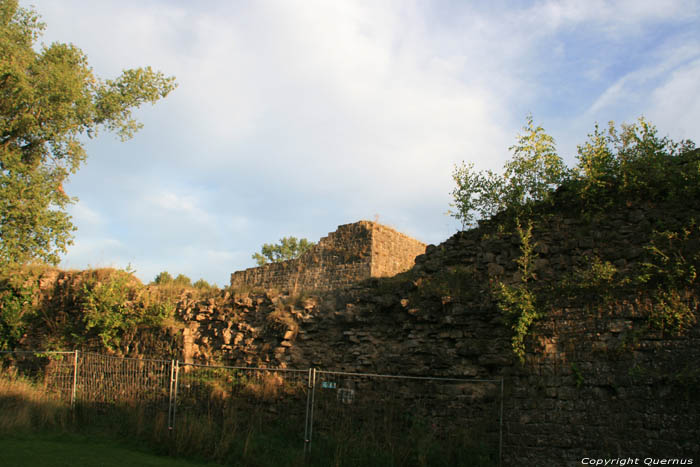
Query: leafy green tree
<point>616,168</point>
<point>634,160</point>
<point>204,285</point>
<point>49,99</point>
<point>182,281</point>
<point>163,278</point>
<point>288,248</point>
<point>533,173</point>
<point>535,170</point>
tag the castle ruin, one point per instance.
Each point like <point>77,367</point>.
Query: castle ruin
<point>352,253</point>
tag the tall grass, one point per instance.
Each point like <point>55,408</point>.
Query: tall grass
<point>25,407</point>
<point>235,419</point>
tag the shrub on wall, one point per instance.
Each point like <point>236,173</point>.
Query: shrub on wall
<point>615,169</point>
<point>116,305</point>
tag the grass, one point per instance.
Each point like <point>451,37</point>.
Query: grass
<point>258,422</point>
<point>70,450</point>
<point>37,430</point>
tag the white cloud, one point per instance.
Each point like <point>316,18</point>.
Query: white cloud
<point>633,85</point>
<point>675,105</point>
<point>95,251</point>
<point>85,217</point>
<point>297,116</point>
<point>180,205</point>
<point>615,18</point>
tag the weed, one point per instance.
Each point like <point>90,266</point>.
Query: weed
<point>519,302</point>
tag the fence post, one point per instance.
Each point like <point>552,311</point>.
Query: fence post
<point>310,399</point>
<point>170,395</point>
<point>75,379</point>
<point>500,429</point>
<point>175,384</point>
<point>308,407</point>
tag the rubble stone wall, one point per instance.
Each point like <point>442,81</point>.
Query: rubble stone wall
<point>598,381</point>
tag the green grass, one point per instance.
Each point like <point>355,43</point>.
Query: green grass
<point>71,450</point>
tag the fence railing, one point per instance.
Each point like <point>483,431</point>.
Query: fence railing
<point>460,420</point>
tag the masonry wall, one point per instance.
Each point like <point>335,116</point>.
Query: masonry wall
<point>352,253</point>
<point>392,251</point>
<point>598,380</point>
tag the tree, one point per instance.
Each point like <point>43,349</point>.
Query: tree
<point>532,174</point>
<point>634,159</point>
<point>633,162</point>
<point>182,281</point>
<point>163,278</point>
<point>288,248</point>
<point>49,99</point>
<point>204,285</point>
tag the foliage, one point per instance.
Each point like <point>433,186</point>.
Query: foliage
<point>288,248</point>
<point>635,162</point>
<point>163,278</point>
<point>49,100</point>
<point>531,175</point>
<point>672,275</point>
<point>519,302</point>
<point>615,168</point>
<point>203,285</point>
<point>597,281</point>
<point>15,309</point>
<point>110,308</point>
<point>535,170</point>
<point>182,281</point>
<point>577,374</point>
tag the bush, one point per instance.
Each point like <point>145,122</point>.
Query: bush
<point>633,163</point>
<point>615,169</point>
<point>533,173</point>
<point>116,305</point>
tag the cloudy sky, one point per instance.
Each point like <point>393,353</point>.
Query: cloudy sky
<point>292,117</point>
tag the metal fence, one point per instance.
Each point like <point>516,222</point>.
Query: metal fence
<point>453,421</point>
<point>410,419</point>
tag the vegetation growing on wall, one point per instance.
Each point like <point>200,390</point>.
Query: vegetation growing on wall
<point>116,305</point>
<point>533,173</point>
<point>671,276</point>
<point>519,302</point>
<point>95,309</point>
<point>616,169</point>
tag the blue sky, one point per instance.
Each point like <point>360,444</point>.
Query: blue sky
<point>292,117</point>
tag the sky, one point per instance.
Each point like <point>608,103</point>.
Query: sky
<point>293,117</point>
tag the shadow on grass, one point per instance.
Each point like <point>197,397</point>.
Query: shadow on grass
<point>263,429</point>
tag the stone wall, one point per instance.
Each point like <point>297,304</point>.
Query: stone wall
<point>392,251</point>
<point>597,381</point>
<point>352,253</point>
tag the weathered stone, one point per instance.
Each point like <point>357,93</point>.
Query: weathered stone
<point>350,254</point>
<point>495,269</point>
<point>596,378</point>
